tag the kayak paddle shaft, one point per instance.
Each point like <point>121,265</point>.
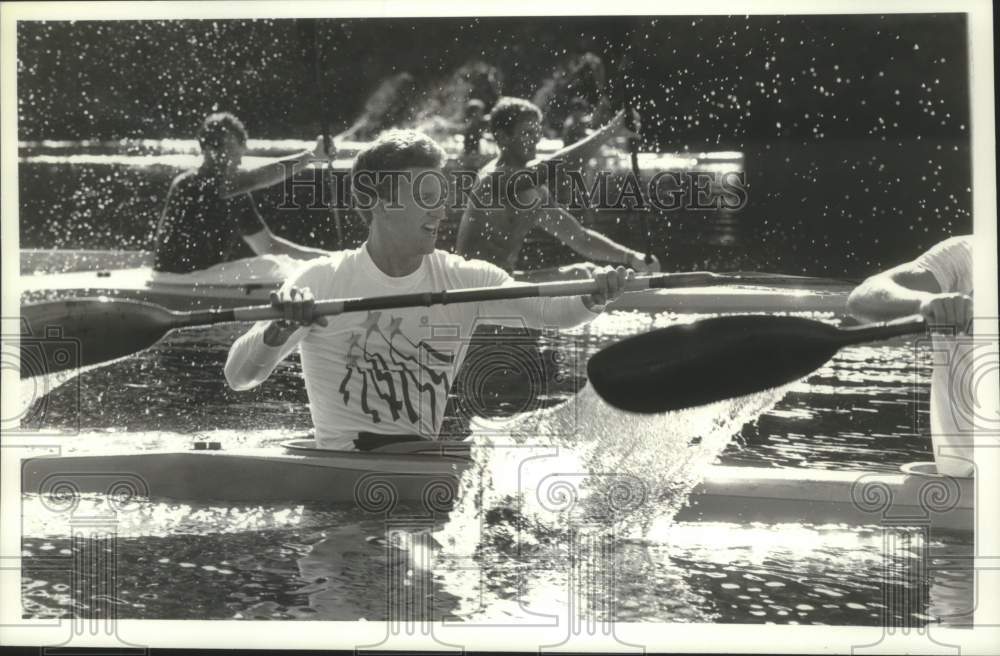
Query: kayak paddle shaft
<point>470,295</point>
<point>103,329</point>
<point>71,333</point>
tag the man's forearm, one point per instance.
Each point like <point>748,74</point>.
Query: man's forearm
<point>577,153</point>
<point>269,174</point>
<point>251,359</point>
<point>595,246</point>
<point>282,246</point>
<point>881,299</point>
<point>537,313</point>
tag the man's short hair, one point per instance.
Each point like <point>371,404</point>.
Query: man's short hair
<point>393,150</point>
<point>475,105</point>
<point>508,111</point>
<point>216,126</point>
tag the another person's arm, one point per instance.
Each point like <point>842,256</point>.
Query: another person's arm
<point>277,170</point>
<point>924,286</point>
<point>262,241</point>
<point>591,244</point>
<point>577,153</point>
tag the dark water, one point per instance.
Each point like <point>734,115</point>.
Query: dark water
<point>867,410</point>
<point>714,573</point>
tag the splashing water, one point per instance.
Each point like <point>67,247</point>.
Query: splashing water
<point>549,511</point>
<point>584,463</point>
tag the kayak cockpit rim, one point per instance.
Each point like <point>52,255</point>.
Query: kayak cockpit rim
<point>428,448</point>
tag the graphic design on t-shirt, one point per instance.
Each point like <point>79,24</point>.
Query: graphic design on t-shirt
<point>400,382</point>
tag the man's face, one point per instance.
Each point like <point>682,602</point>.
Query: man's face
<point>420,209</point>
<point>521,140</point>
<point>228,155</point>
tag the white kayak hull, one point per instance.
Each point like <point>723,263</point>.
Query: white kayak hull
<point>141,284</point>
<point>366,479</point>
<point>812,496</point>
<point>378,481</point>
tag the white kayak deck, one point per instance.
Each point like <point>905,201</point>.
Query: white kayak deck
<point>241,282</point>
<point>814,496</point>
<point>247,476</point>
<point>377,481</point>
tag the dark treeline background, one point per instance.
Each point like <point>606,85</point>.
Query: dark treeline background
<point>855,129</point>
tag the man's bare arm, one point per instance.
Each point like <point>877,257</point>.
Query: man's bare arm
<point>275,171</point>
<point>266,242</point>
<point>591,244</point>
<point>893,293</point>
<point>910,289</point>
<point>577,153</point>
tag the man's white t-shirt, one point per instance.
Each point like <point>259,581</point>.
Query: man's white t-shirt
<point>389,372</point>
<point>950,262</point>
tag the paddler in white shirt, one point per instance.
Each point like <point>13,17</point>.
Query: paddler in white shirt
<point>374,378</point>
<point>937,285</point>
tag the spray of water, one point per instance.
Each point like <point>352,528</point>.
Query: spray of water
<point>585,462</point>
<point>565,498</point>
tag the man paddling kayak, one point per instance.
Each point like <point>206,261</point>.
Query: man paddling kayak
<point>938,286</point>
<point>378,377</point>
<point>496,233</point>
<point>209,216</point>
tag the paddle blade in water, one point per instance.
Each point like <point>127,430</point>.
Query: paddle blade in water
<point>67,334</point>
<point>706,361</point>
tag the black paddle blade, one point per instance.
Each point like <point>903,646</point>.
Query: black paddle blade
<point>709,360</point>
<point>72,333</point>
